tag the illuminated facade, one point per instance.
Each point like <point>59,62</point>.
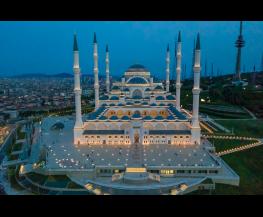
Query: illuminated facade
<point>139,109</point>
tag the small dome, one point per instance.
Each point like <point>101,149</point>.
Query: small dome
<point>153,104</point>
<point>148,89</point>
<point>125,118</point>
<point>161,104</point>
<point>158,88</point>
<point>120,104</point>
<point>129,103</point>
<point>137,68</point>
<point>159,98</point>
<point>136,115</point>
<point>126,89</point>
<point>112,104</point>
<point>104,97</point>
<point>159,117</point>
<point>148,118</point>
<point>137,80</point>
<point>104,104</point>
<point>145,103</point>
<point>170,97</point>
<point>113,118</point>
<point>115,88</point>
<point>114,98</point>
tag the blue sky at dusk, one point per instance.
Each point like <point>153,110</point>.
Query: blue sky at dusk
<point>46,47</point>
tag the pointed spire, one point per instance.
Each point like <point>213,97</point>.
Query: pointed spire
<point>75,45</point>
<point>168,48</point>
<point>179,37</point>
<point>107,48</point>
<point>198,42</point>
<point>95,38</point>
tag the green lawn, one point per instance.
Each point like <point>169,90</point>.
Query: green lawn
<point>248,165</point>
<point>224,144</point>
<point>251,128</point>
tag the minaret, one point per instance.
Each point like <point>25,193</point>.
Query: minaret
<point>193,59</point>
<point>77,90</point>
<point>178,70</point>
<point>239,44</point>
<point>107,70</point>
<point>262,62</point>
<point>167,68</point>
<point>96,72</point>
<point>195,130</point>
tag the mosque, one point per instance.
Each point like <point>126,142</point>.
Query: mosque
<point>137,110</point>
<point>138,139</point>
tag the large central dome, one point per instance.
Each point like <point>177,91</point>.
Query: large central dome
<point>137,68</point>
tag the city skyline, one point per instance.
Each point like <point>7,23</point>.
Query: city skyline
<point>42,47</point>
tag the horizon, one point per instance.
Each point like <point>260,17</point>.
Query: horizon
<point>42,47</point>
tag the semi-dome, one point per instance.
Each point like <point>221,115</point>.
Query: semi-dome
<point>103,118</point>
<point>137,80</point>
<point>137,68</point>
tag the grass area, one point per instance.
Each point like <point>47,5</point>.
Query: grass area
<point>74,185</point>
<point>58,181</point>
<point>11,176</point>
<point>224,144</point>
<point>38,178</point>
<point>251,128</point>
<point>248,165</point>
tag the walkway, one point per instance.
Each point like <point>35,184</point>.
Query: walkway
<point>251,114</point>
<point>239,148</point>
<point>135,157</point>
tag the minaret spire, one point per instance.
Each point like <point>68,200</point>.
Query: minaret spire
<point>178,71</point>
<point>107,70</point>
<point>77,90</point>
<point>193,59</point>
<point>167,68</point>
<point>96,71</point>
<point>195,131</point>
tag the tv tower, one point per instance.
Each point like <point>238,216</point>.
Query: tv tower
<point>239,44</point>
